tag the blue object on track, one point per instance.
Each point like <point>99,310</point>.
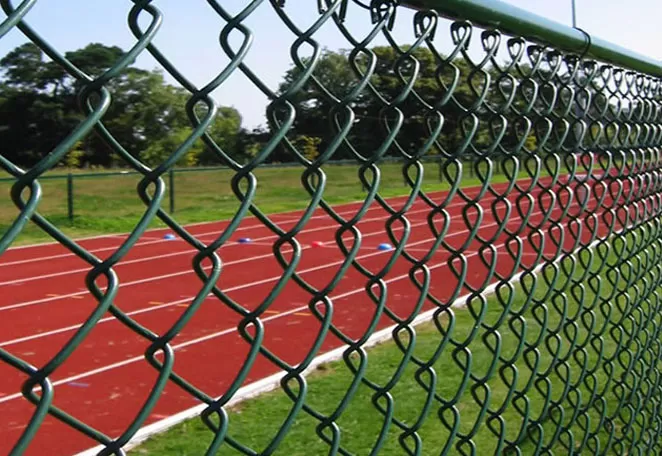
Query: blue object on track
<point>244,240</point>
<point>384,246</point>
<point>169,236</point>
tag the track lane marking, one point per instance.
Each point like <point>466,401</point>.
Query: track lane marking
<point>431,195</point>
<point>187,251</point>
<point>217,334</point>
<point>235,288</point>
<point>124,235</point>
<point>185,272</point>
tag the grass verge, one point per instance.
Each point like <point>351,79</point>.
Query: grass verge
<point>577,357</point>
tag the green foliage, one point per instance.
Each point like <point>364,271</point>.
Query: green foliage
<point>531,143</point>
<point>225,132</point>
<point>374,115</point>
<point>251,143</point>
<point>253,149</point>
<point>147,116</point>
<point>469,113</point>
<point>95,58</point>
<point>159,151</point>
<point>74,157</point>
<point>308,146</point>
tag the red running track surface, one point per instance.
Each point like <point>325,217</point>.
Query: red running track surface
<point>105,382</point>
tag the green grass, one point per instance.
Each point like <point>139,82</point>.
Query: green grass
<point>600,326</point>
<point>110,204</point>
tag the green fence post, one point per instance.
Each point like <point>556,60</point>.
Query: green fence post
<point>171,178</point>
<point>70,196</point>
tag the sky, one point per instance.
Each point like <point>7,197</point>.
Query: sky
<point>189,35</point>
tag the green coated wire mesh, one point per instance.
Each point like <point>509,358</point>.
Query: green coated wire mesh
<point>550,314</point>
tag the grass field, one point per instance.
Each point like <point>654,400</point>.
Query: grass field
<point>590,354</point>
<point>110,204</point>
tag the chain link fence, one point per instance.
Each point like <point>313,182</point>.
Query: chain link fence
<point>566,247</point>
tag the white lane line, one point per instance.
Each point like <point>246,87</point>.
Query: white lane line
<point>210,336</point>
<point>420,250</point>
<point>87,269</point>
<point>157,257</point>
<point>189,271</point>
<point>182,252</point>
<point>239,287</point>
<point>223,224</point>
<point>391,200</point>
<point>209,233</point>
<point>151,241</point>
<point>173,274</point>
<point>146,243</point>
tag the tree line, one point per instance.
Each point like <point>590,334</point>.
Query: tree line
<point>147,115</point>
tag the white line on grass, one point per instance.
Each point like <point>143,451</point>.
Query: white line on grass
<point>272,382</point>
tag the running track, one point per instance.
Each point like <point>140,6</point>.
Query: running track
<point>106,381</point>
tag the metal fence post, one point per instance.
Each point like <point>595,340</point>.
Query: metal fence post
<point>70,197</point>
<point>171,178</point>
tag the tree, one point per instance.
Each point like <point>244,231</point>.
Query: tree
<point>147,116</point>
<point>24,68</point>
<point>33,123</point>
<point>225,132</point>
<point>480,95</point>
<point>373,108</point>
<point>308,145</point>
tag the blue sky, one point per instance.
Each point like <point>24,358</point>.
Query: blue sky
<point>189,35</point>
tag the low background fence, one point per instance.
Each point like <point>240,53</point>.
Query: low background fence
<point>75,180</point>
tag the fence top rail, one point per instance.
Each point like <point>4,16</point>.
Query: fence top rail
<point>512,20</point>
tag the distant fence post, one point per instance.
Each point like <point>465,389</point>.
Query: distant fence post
<point>171,179</point>
<point>70,196</point>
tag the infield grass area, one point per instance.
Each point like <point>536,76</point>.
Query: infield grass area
<point>110,203</point>
<point>255,421</point>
